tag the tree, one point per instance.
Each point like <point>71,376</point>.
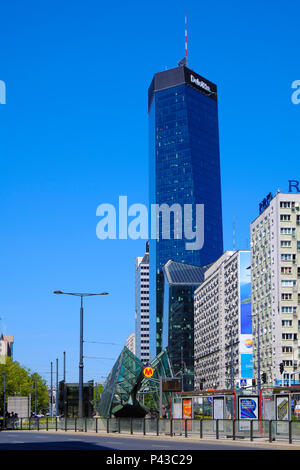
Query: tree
<point>97,394</point>
<point>19,381</point>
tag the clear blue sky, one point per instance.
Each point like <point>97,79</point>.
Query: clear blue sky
<point>74,134</point>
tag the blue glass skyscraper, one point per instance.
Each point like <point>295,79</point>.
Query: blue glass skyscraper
<point>184,169</point>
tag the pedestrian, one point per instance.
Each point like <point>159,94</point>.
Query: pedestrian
<point>164,412</point>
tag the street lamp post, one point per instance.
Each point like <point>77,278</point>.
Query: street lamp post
<point>4,398</point>
<point>81,295</point>
<point>258,352</point>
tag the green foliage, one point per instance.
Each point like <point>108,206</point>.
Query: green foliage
<point>149,401</point>
<point>21,382</point>
<point>97,393</point>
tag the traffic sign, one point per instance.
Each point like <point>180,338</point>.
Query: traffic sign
<point>243,382</point>
<point>148,372</point>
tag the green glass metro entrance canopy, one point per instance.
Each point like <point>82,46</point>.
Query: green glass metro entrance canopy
<point>126,381</point>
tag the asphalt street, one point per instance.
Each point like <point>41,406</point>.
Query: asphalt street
<point>22,440</point>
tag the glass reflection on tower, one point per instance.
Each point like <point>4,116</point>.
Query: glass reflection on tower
<point>184,168</point>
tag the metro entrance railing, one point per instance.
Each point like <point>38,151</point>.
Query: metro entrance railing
<point>270,430</point>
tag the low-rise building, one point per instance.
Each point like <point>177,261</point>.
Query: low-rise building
<point>6,346</point>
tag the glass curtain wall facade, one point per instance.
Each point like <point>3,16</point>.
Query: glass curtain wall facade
<point>184,169</point>
<point>180,282</point>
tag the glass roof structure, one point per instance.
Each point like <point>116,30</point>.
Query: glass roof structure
<point>124,376</point>
<point>183,273</point>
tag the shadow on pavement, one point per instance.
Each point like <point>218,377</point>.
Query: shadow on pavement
<point>70,445</point>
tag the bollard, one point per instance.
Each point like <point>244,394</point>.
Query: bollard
<point>185,428</point>
<point>157,427</point>
<point>201,428</point>
<point>56,423</point>
<point>233,429</point>
<point>251,430</point>
<point>66,424</point>
<point>119,425</point>
<point>75,424</point>
<point>96,425</point>
<point>171,427</point>
<point>38,424</point>
<point>47,426</point>
<point>85,424</point>
<point>217,429</point>
<point>29,425</point>
<point>270,430</point>
<point>144,427</point>
<point>131,428</point>
<point>21,424</point>
<point>107,425</point>
<point>290,432</point>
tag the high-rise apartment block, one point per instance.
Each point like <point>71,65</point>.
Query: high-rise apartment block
<point>275,270</point>
<point>142,307</point>
<point>222,323</point>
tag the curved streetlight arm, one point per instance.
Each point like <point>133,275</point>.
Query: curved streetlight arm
<point>79,294</point>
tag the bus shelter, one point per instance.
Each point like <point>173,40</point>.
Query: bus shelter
<point>280,403</point>
<point>209,404</point>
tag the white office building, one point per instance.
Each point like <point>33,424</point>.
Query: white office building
<point>6,347</point>
<point>130,343</point>
<point>142,307</point>
<point>222,324</point>
<point>275,269</point>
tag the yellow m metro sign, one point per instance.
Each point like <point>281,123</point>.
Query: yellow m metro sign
<point>148,372</point>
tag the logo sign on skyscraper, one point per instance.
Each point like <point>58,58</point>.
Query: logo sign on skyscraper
<point>294,186</point>
<point>265,202</point>
<point>201,84</point>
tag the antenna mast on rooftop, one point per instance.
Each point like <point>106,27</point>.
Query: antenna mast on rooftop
<point>185,37</point>
<point>183,62</point>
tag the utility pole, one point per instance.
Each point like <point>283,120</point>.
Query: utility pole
<point>182,367</point>
<point>4,398</point>
<point>64,366</point>
<point>51,391</point>
<point>35,398</point>
<point>56,399</point>
<point>258,356</point>
<point>231,363</point>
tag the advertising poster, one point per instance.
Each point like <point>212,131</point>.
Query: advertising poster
<point>248,410</point>
<point>282,407</point>
<point>187,412</point>
<point>198,408</point>
<point>187,408</point>
<point>248,407</point>
<point>282,414</point>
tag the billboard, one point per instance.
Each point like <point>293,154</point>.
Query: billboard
<point>246,351</point>
<point>19,405</point>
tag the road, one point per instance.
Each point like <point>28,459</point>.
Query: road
<point>22,440</point>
